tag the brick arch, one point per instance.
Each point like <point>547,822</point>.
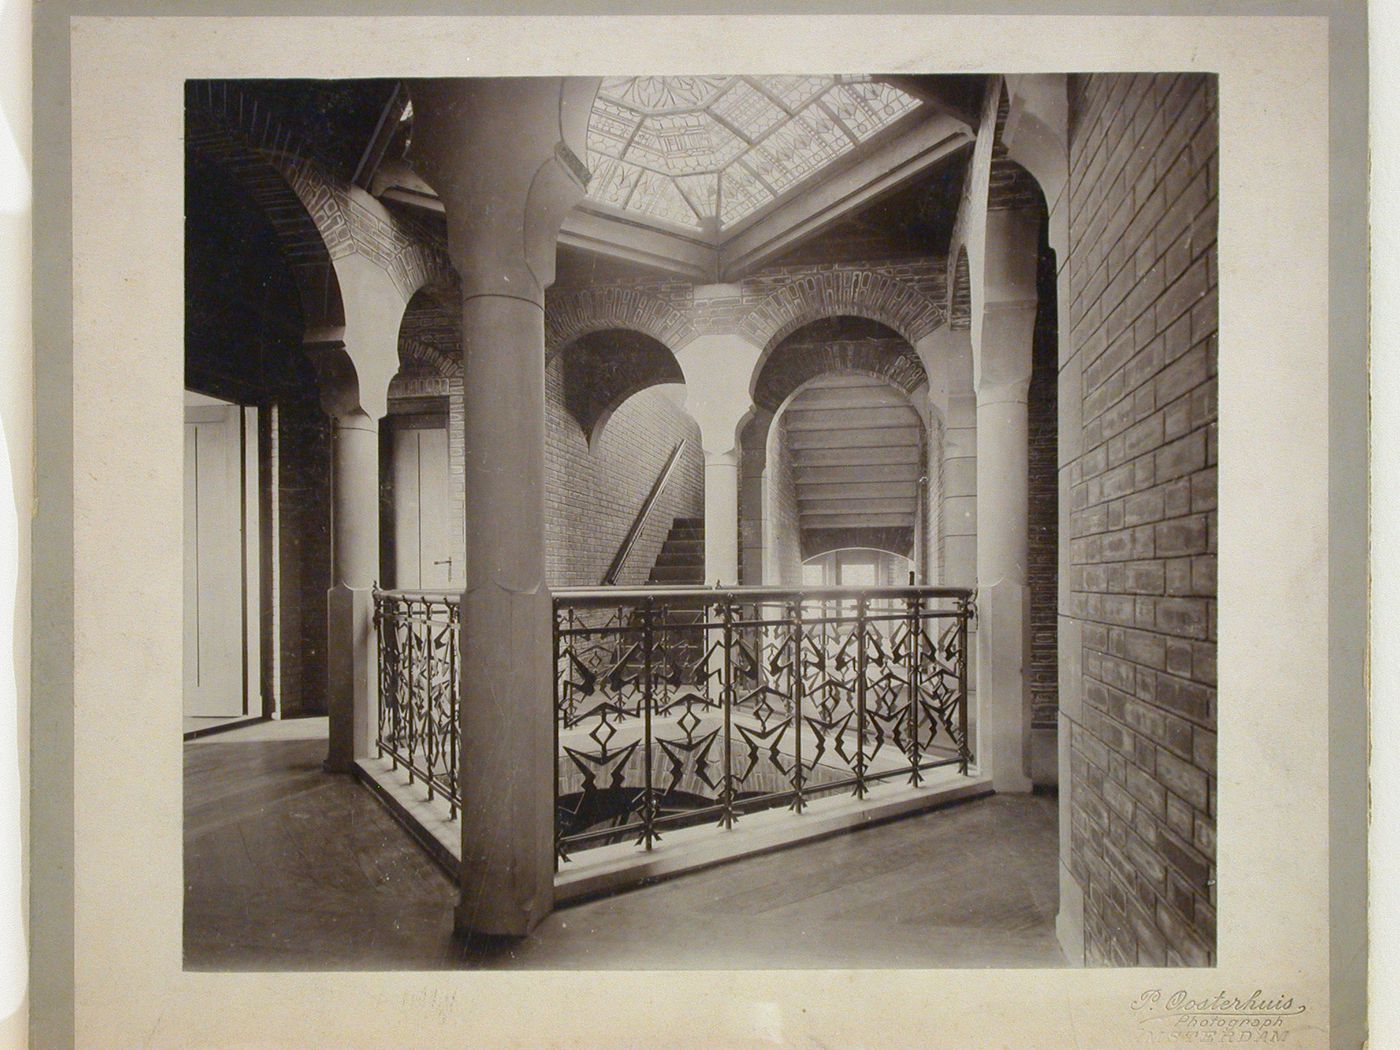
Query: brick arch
<point>791,367</point>
<point>960,295</point>
<point>606,368</point>
<point>310,247</point>
<point>319,218</point>
<point>430,333</point>
<point>570,315</point>
<point>831,293</point>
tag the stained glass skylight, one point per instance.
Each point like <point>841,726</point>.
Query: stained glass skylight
<point>710,151</point>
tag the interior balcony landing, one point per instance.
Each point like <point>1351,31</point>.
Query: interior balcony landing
<point>289,867</point>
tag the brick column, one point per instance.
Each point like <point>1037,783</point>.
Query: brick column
<point>503,156</point>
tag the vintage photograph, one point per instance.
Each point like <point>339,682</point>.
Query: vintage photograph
<point>736,521</point>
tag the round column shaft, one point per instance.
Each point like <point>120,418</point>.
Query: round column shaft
<point>507,694</point>
<point>350,661</point>
<point>722,518</point>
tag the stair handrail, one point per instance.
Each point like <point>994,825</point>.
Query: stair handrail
<point>630,540</point>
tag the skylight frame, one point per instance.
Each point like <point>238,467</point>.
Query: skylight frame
<point>769,155</point>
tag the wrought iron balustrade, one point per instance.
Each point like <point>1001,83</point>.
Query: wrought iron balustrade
<point>684,706</point>
<point>418,687</point>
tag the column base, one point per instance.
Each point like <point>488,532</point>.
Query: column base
<point>1069,920</point>
<point>507,762</point>
<point>1002,738</point>
<point>352,677</point>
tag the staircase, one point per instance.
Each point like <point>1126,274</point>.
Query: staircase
<point>682,558</point>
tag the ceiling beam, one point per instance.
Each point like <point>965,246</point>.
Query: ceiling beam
<point>818,458</point>
<point>900,475</point>
<point>860,506</point>
<point>632,242</point>
<point>850,417</point>
<point>836,196</point>
<point>856,521</point>
<point>925,88</point>
<point>854,438</point>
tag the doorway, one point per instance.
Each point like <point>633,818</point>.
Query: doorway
<point>421,545</point>
<point>222,636</point>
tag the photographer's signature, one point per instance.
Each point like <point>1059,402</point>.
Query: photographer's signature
<point>1182,1017</point>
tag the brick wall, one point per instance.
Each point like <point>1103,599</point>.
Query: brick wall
<point>302,469</point>
<point>1141,338</point>
<point>1043,531</point>
<point>592,495</point>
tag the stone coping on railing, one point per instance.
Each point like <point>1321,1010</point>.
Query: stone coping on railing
<point>610,869</point>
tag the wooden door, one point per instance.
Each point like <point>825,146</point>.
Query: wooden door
<point>215,646</point>
<point>422,509</point>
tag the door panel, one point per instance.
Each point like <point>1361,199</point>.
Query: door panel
<point>214,612</point>
<point>422,513</point>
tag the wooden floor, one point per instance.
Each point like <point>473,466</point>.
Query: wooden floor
<point>288,867</point>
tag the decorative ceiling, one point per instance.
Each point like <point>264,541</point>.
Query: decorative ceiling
<point>707,152</point>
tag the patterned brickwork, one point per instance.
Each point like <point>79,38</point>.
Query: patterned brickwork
<point>255,147</point>
<point>1009,186</point>
<point>856,292</point>
<point>572,313</point>
<point>906,295</point>
<point>960,300</point>
<point>1142,291</point>
<point>797,361</point>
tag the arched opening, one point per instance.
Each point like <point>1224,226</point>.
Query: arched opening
<point>422,493</point>
<point>624,502</point>
<point>836,454</point>
<point>253,424</point>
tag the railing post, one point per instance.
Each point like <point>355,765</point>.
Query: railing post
<point>964,752</point>
<point>648,814</point>
<point>454,616</point>
<point>406,709</point>
<point>799,801</point>
<point>556,713</point>
<point>861,670</point>
<point>727,703</point>
<point>381,652</point>
<point>916,638</point>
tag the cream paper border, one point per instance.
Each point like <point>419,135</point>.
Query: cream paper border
<point>127,76</point>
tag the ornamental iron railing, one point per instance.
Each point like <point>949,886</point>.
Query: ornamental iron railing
<point>685,706</point>
<point>418,688</point>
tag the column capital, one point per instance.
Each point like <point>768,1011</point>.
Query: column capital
<point>719,370</point>
<point>339,382</point>
<point>505,157</point>
<point>1002,361</point>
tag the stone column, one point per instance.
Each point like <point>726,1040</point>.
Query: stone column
<point>718,370</point>
<point>503,155</point>
<point>947,357</point>
<point>351,679</point>
<point>1002,502</point>
<point>351,659</point>
<point>722,517</point>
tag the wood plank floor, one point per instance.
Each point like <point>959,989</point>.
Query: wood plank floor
<point>288,867</point>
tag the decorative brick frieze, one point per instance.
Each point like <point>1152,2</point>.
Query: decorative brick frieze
<point>796,361</point>
<point>906,295</point>
<point>835,292</point>
<point>960,298</point>
<point>318,217</point>
<point>573,313</point>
